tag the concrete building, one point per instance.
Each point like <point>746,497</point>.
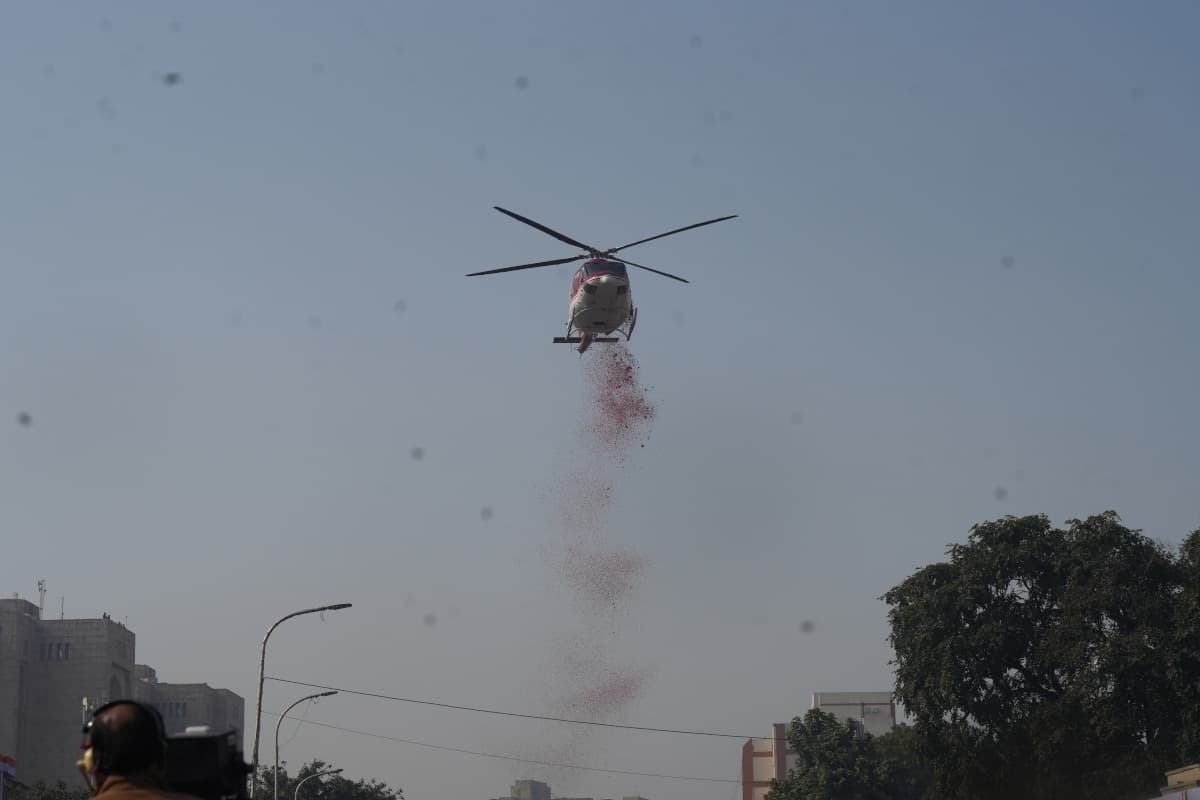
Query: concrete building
<point>53,672</point>
<point>764,760</point>
<point>18,633</point>
<point>530,790</point>
<point>49,669</point>
<point>186,704</point>
<point>875,712</point>
<point>536,790</point>
<point>1182,783</point>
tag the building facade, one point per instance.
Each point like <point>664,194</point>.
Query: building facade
<point>50,672</point>
<point>764,760</point>
<point>184,705</point>
<point>53,673</point>
<point>874,712</point>
<point>530,790</point>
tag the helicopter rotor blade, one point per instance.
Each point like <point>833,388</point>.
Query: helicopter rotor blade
<point>528,266</point>
<point>544,229</point>
<point>669,233</point>
<point>650,269</point>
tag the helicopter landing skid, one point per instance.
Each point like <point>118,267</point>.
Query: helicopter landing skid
<point>585,340</point>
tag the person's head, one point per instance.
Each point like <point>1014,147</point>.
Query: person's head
<point>127,739</point>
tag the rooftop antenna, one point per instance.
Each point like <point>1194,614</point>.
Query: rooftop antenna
<point>41,597</point>
<point>62,609</point>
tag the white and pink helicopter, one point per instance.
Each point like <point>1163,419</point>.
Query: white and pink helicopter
<point>601,303</point>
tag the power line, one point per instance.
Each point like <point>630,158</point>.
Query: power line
<point>379,696</point>
<point>508,758</point>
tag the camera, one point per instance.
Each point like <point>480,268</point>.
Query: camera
<point>206,765</point>
<point>196,762</point>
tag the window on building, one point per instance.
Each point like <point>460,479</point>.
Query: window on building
<point>67,651</point>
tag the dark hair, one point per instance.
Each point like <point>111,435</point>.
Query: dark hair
<point>129,743</point>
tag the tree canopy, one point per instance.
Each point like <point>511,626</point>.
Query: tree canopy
<point>328,787</point>
<point>836,761</point>
<point>1041,662</point>
<point>41,791</point>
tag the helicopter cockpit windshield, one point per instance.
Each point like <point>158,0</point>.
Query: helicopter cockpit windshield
<point>604,268</point>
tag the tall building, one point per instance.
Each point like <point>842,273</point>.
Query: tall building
<point>18,623</point>
<point>874,712</point>
<point>50,670</point>
<point>764,760</point>
<point>187,704</point>
<point>530,790</point>
<point>53,672</point>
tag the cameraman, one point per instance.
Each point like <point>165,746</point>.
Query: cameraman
<point>126,755</point>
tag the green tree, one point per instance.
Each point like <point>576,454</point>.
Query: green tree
<point>1042,663</point>
<point>904,770</point>
<point>327,787</point>
<point>40,791</point>
<point>836,761</point>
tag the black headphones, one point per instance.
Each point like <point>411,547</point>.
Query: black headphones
<point>135,738</point>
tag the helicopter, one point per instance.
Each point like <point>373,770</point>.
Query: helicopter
<point>601,303</point>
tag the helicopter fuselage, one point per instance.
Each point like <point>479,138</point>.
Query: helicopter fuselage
<point>601,301</point>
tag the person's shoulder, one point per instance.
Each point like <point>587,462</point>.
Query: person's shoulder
<point>125,789</point>
<point>156,793</point>
<point>167,795</point>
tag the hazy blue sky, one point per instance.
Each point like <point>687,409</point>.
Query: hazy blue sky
<point>962,285</point>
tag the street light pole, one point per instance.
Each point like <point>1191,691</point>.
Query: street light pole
<point>275,794</point>
<point>262,663</point>
<point>296,794</point>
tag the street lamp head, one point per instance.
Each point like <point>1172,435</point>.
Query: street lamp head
<point>326,694</point>
<point>338,606</point>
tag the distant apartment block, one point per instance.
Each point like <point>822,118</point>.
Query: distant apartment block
<point>530,790</point>
<point>54,671</point>
<point>536,790</point>
<point>764,760</point>
<point>874,712</point>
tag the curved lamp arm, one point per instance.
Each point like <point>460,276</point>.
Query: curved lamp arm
<point>262,662</point>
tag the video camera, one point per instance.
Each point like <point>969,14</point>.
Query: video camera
<point>207,766</point>
<point>196,762</point>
